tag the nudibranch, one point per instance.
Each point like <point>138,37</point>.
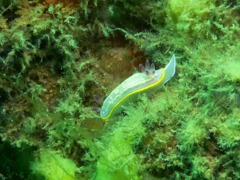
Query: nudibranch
<point>147,79</point>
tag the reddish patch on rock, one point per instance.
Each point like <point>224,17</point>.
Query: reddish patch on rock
<point>117,64</point>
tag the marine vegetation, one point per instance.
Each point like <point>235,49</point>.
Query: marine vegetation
<point>56,55</point>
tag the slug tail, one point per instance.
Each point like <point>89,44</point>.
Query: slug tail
<point>170,69</point>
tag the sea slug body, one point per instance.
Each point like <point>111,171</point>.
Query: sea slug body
<point>148,78</point>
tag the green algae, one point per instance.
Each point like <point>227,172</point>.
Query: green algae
<point>55,56</point>
<point>53,166</point>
